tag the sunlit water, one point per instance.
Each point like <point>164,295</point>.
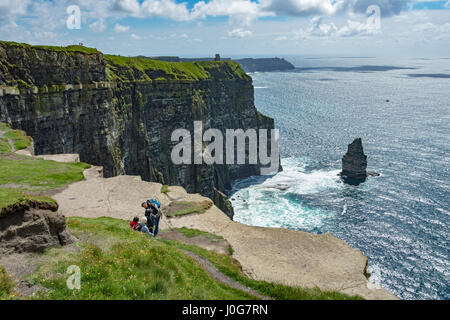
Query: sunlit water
<point>399,220</point>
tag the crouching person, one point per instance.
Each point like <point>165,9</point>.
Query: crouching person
<point>140,226</point>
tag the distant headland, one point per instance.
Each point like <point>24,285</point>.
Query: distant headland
<point>248,64</point>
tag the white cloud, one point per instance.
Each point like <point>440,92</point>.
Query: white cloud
<point>430,31</point>
<point>118,28</point>
<point>45,35</point>
<point>98,26</point>
<point>305,8</point>
<point>388,7</point>
<point>316,28</point>
<point>302,8</point>
<point>128,6</point>
<point>355,28</point>
<point>319,29</point>
<point>179,36</point>
<point>153,8</point>
<point>240,12</point>
<point>135,36</point>
<point>11,8</point>
<point>239,33</point>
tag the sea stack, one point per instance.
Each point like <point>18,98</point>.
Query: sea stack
<point>354,163</point>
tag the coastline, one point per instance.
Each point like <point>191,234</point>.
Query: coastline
<point>277,255</point>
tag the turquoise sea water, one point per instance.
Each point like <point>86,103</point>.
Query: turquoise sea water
<point>399,220</point>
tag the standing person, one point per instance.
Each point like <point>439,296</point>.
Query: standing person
<point>153,214</point>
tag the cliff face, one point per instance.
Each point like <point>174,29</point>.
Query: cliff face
<point>120,113</point>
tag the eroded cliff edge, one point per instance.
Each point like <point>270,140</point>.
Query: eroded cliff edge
<point>119,112</point>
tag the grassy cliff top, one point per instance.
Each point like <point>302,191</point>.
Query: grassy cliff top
<point>68,49</point>
<point>119,68</point>
<point>145,69</point>
<point>119,263</point>
<point>25,178</point>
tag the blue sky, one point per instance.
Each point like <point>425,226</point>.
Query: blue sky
<point>235,27</point>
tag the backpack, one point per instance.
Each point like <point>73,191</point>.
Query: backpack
<point>154,201</point>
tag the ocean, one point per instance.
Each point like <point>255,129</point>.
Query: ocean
<point>399,220</point>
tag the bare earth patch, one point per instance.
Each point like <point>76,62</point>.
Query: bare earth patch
<point>181,208</point>
<point>203,241</point>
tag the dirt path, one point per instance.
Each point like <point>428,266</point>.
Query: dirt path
<point>219,276</point>
<point>220,246</point>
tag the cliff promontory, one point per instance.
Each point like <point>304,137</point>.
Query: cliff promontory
<point>265,64</point>
<point>119,112</point>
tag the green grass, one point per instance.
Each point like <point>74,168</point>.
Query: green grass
<point>144,69</point>
<point>24,178</point>
<point>119,263</point>
<point>4,145</point>
<point>37,174</point>
<point>165,189</point>
<point>10,196</point>
<point>6,285</point>
<point>69,49</point>
<point>120,68</point>
<point>181,208</point>
<point>190,233</point>
<point>19,138</point>
<point>229,267</point>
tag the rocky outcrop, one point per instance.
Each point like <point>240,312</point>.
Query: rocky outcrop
<point>121,117</point>
<point>354,164</point>
<point>222,201</point>
<point>32,226</point>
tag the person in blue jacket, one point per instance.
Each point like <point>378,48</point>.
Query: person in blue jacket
<point>153,214</point>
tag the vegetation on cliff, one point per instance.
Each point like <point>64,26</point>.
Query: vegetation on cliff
<point>145,69</point>
<point>25,178</point>
<point>181,208</point>
<point>6,285</point>
<point>69,49</point>
<point>19,139</point>
<point>118,263</point>
<point>97,104</point>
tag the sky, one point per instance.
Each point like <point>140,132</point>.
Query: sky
<point>234,28</point>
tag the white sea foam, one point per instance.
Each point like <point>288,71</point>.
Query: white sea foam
<point>278,202</point>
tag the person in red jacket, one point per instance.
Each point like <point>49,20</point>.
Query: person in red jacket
<point>140,226</point>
